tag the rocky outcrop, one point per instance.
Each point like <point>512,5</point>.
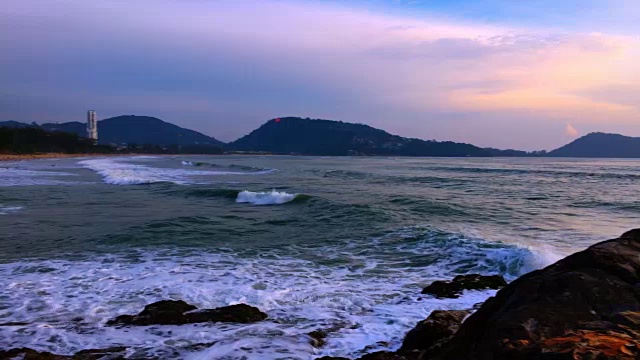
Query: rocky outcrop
<point>30,354</point>
<point>318,338</point>
<point>586,306</point>
<point>435,331</point>
<point>388,355</point>
<point>426,339</point>
<point>454,288</point>
<point>380,355</point>
<point>114,353</point>
<point>171,312</point>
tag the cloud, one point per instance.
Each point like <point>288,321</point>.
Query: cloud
<point>570,130</point>
<point>226,66</point>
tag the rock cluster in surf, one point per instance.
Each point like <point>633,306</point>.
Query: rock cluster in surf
<point>172,312</point>
<point>586,306</point>
<point>114,353</point>
<point>454,288</point>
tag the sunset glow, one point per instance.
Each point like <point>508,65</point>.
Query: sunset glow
<point>411,70</point>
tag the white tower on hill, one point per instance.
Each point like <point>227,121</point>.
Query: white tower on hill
<point>92,125</point>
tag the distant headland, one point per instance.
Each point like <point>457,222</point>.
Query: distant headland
<point>284,136</point>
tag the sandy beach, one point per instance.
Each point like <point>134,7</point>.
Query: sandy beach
<point>20,157</point>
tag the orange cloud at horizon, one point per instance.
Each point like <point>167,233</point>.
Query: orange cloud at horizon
<point>558,78</point>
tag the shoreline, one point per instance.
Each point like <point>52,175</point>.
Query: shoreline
<point>23,157</point>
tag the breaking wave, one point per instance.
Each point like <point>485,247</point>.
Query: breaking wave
<point>119,172</point>
<point>23,177</point>
<point>231,166</point>
<point>360,292</point>
<point>272,197</point>
<point>4,210</point>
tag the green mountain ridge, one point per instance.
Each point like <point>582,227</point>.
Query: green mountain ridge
<point>305,136</point>
<point>600,145</point>
<point>336,138</point>
<point>131,129</point>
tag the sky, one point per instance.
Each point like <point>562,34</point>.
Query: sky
<point>526,74</point>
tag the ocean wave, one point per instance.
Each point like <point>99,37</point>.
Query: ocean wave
<point>272,197</point>
<point>4,210</point>
<point>362,292</point>
<point>624,205</point>
<point>250,169</point>
<point>585,173</point>
<point>28,177</point>
<point>119,172</point>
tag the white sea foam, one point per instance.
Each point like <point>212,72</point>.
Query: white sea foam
<point>122,172</point>
<point>356,291</point>
<point>29,176</point>
<point>4,210</point>
<point>299,297</point>
<point>272,197</point>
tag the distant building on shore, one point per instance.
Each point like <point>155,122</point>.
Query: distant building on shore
<point>92,125</point>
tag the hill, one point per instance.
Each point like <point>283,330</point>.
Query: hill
<point>130,129</point>
<point>601,145</point>
<point>326,137</point>
<point>30,139</point>
<point>15,124</point>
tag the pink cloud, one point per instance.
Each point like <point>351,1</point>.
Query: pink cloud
<point>570,130</point>
<point>351,64</point>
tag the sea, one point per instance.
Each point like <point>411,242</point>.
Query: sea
<point>339,244</point>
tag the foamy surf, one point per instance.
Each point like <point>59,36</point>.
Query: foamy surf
<point>120,172</point>
<point>272,197</point>
<point>27,177</point>
<point>246,170</point>
<point>362,293</point>
<point>5,210</point>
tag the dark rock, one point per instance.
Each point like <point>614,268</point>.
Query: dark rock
<point>453,289</point>
<point>113,353</point>
<point>240,313</point>
<point>332,358</point>
<point>318,338</point>
<point>165,312</point>
<point>14,323</point>
<point>376,346</point>
<point>432,333</point>
<point>170,312</point>
<point>586,306</point>
<point>30,354</point>
<point>387,355</point>
<point>200,346</point>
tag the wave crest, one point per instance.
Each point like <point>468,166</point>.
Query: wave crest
<point>4,210</point>
<point>272,197</point>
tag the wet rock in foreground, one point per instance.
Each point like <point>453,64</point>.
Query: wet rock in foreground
<point>586,306</point>
<point>318,338</point>
<point>114,353</point>
<point>454,288</point>
<point>432,333</point>
<point>30,354</point>
<point>425,339</point>
<point>172,312</point>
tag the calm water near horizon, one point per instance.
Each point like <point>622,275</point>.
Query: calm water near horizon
<point>340,244</point>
